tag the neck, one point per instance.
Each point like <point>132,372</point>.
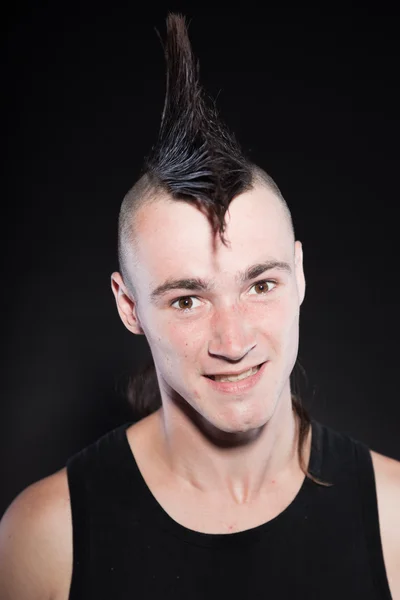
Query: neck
<point>237,473</point>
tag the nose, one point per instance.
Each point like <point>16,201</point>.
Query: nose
<point>232,337</point>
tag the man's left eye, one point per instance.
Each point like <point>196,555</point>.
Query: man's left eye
<point>266,285</point>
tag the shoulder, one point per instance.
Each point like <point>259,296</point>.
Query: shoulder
<point>36,542</point>
<point>387,477</point>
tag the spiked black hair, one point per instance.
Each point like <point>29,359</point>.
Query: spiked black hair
<point>198,160</point>
<point>196,157</point>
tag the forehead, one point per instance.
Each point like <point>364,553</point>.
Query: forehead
<point>174,238</point>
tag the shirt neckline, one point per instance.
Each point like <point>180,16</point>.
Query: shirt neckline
<point>156,516</point>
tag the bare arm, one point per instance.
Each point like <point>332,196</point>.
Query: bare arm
<point>36,543</point>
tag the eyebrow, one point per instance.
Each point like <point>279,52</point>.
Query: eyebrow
<point>197,284</point>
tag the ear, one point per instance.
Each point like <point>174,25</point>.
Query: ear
<point>299,271</point>
<point>126,305</point>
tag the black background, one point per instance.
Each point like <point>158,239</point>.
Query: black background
<point>311,93</point>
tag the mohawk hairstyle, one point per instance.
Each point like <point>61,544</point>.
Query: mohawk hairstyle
<point>195,158</point>
<point>198,160</point>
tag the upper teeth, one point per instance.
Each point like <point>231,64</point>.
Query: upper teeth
<point>236,377</point>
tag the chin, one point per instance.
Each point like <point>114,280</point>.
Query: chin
<point>240,418</point>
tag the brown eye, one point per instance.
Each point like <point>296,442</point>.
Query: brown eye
<point>185,302</point>
<point>263,286</point>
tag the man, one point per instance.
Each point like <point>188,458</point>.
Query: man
<point>227,489</point>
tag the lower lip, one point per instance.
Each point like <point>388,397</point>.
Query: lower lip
<point>237,387</point>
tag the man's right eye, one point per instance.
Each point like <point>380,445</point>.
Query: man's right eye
<point>184,303</point>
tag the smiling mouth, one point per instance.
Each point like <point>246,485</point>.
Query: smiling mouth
<point>243,375</point>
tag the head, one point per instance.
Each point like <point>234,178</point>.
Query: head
<point>192,233</point>
<point>204,312</point>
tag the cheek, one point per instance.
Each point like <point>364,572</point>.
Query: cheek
<point>289,342</point>
<point>281,330</point>
<point>277,319</point>
<point>175,341</point>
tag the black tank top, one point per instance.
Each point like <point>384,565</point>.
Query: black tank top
<point>325,545</point>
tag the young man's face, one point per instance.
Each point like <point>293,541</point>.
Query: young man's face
<point>235,324</point>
